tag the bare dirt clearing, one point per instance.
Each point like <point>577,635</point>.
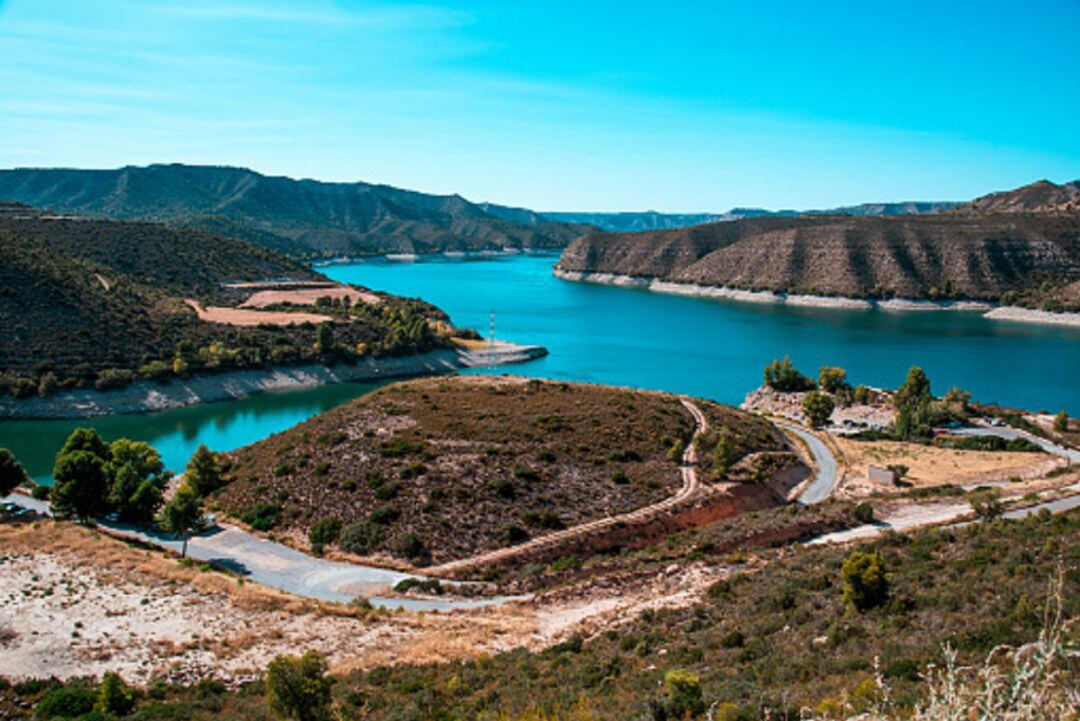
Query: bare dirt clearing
<point>933,466</point>
<point>308,296</point>
<point>245,317</point>
<point>75,603</point>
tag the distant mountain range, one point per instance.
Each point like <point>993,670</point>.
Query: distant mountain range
<point>304,218</point>
<point>631,222</point>
<point>312,219</point>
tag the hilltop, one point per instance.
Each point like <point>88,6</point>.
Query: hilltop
<point>938,256</point>
<point>100,304</point>
<point>1039,197</point>
<point>434,470</point>
<point>304,218</point>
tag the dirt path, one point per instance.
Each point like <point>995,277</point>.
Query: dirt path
<point>690,486</point>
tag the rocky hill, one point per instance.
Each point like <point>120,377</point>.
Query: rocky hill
<point>949,255</point>
<point>440,469</point>
<point>101,303</point>
<point>1040,197</point>
<point>303,218</point>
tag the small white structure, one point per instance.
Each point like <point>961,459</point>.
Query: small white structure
<point>885,476</point>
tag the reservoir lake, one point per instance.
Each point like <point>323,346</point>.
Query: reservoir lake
<point>632,337</point>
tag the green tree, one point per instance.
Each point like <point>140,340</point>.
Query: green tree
<point>781,375</point>
<point>866,584</point>
<point>818,407</point>
<point>181,514</point>
<point>203,471</point>
<point>297,687</point>
<point>137,480</point>
<point>725,452</point>
<point>832,379</point>
<point>1061,422</point>
<point>324,338</point>
<point>12,474</point>
<point>915,389</point>
<point>86,439</point>
<point>115,697</point>
<point>82,486</point>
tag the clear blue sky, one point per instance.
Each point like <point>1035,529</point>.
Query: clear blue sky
<point>557,105</point>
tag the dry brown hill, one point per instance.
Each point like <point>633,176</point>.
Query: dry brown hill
<point>1039,197</point>
<point>931,256</point>
<point>440,469</point>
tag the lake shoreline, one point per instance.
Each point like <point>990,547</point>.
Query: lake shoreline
<point>145,396</point>
<point>656,285</point>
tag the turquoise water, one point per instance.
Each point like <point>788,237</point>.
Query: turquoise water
<point>601,334</point>
<point>717,349</point>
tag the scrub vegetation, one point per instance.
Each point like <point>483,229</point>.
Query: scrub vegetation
<point>439,469</point>
<point>100,304</point>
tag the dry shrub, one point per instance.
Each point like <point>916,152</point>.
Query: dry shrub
<point>1039,681</point>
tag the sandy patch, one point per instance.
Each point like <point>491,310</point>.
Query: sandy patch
<point>308,296</point>
<point>248,317</point>
<point>933,466</point>
<point>76,603</point>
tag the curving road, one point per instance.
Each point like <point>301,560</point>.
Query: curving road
<point>824,482</point>
<point>1010,433</point>
<point>690,486</point>
<point>278,566</point>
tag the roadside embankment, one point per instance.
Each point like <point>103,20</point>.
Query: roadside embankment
<point>146,396</point>
<point>1008,313</point>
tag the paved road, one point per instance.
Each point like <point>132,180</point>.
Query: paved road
<point>284,568</point>
<point>690,486</point>
<point>944,513</point>
<point>824,482</point>
<point>1011,433</point>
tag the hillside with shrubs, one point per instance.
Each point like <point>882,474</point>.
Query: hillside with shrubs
<point>439,469</point>
<point>99,304</point>
<point>952,623</point>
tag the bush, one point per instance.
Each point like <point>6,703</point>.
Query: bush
<point>683,690</point>
<point>515,534</point>
<point>864,513</point>
<point>986,504</point>
<point>115,697</point>
<point>325,531</point>
<point>65,702</point>
<point>1061,422</point>
<point>409,545</point>
<point>360,538</point>
<point>262,516</point>
<point>865,583</point>
<point>297,687</point>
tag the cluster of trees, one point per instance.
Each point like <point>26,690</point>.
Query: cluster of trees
<point>95,479</point>
<point>126,479</point>
<point>781,375</point>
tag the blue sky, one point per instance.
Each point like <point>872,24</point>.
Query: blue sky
<point>674,106</point>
